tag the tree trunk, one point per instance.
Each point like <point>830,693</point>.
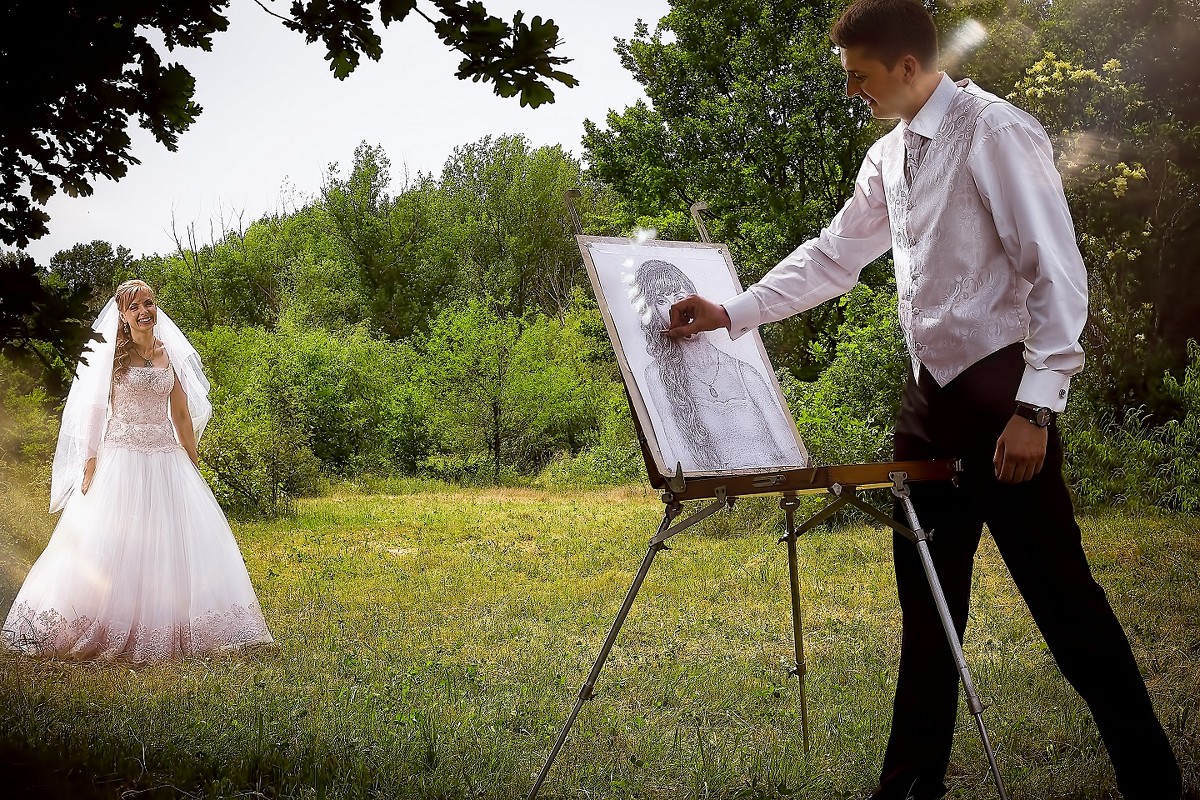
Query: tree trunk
<point>496,440</point>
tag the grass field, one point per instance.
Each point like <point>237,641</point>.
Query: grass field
<point>432,641</point>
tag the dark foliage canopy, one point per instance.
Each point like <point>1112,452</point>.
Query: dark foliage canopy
<point>42,318</point>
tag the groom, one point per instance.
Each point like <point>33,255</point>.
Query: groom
<point>992,299</point>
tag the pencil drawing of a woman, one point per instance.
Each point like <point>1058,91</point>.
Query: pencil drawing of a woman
<point>714,407</point>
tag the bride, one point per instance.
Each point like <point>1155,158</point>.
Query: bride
<point>142,565</point>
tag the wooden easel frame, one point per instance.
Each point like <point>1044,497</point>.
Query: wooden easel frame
<point>843,483</point>
<point>640,405</point>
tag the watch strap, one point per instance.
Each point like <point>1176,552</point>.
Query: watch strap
<point>1038,415</point>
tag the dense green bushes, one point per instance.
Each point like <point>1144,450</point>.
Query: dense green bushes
<point>847,415</point>
<point>501,392</point>
<point>1130,461</point>
<point>27,426</point>
<point>486,396</point>
<point>610,454</point>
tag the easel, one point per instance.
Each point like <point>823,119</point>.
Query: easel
<point>844,483</point>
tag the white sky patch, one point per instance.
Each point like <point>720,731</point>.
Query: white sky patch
<point>274,119</point>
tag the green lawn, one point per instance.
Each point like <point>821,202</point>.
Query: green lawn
<point>431,643</point>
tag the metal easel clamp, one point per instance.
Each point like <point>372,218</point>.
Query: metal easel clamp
<point>569,197</point>
<point>903,493</point>
<point>696,208</point>
<point>789,503</point>
<point>767,481</point>
<point>659,539</point>
<point>676,483</point>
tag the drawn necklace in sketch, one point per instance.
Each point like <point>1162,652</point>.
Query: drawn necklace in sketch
<point>722,421</point>
<point>711,388</point>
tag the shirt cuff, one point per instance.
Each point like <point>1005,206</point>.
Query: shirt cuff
<point>1044,387</point>
<point>744,313</point>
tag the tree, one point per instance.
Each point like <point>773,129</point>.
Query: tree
<point>515,389</point>
<point>1154,43</point>
<point>748,113</point>
<point>505,226</point>
<point>72,75</point>
<point>95,268</point>
<point>1110,82</point>
<point>992,42</point>
<point>220,282</point>
<point>42,318</point>
<point>387,239</point>
<point>316,284</point>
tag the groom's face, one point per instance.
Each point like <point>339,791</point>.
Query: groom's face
<point>884,89</point>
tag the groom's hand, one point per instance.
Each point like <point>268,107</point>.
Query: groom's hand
<point>694,314</point>
<point>1020,451</point>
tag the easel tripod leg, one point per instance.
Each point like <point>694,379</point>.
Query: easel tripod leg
<point>585,692</point>
<point>789,505</point>
<point>939,599</point>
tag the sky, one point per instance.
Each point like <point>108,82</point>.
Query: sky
<point>274,118</point>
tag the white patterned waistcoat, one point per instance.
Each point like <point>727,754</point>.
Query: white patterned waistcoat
<point>960,303</point>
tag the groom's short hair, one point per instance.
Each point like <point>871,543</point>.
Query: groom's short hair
<point>889,30</point>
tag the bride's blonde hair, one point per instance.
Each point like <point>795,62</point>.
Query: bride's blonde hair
<point>125,292</point>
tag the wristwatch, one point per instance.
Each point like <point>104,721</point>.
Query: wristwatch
<point>1038,415</point>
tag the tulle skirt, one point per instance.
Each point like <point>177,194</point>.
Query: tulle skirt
<point>142,568</point>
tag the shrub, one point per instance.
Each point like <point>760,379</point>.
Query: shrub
<point>251,453</point>
<point>292,404</point>
<point>28,426</point>
<point>848,414</point>
<point>1130,461</point>
<point>352,396</point>
<point>1111,461</point>
<point>256,462</point>
<point>516,390</point>
<point>1181,437</point>
<point>611,456</point>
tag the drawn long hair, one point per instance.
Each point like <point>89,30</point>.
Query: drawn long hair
<point>655,279</point>
<point>125,293</point>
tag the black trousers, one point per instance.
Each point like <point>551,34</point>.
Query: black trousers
<point>1033,525</point>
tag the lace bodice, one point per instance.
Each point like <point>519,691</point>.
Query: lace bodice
<point>140,420</point>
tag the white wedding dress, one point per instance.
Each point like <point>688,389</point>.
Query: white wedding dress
<point>144,566</point>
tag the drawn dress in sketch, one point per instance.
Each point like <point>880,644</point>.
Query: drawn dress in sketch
<point>714,406</point>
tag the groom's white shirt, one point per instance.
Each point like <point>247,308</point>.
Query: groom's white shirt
<point>982,239</point>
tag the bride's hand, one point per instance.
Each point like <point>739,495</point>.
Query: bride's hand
<point>89,469</point>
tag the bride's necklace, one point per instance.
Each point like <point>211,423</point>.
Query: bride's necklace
<point>150,361</point>
<point>711,388</point>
